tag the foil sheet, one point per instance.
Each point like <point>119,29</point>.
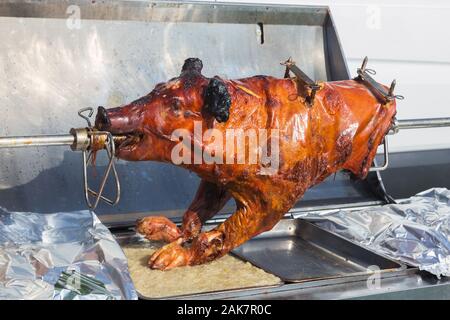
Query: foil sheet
<point>69,255</point>
<point>415,231</point>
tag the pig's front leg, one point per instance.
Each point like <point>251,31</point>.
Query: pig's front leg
<point>209,199</point>
<point>240,227</point>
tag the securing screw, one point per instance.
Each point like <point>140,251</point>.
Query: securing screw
<point>391,89</point>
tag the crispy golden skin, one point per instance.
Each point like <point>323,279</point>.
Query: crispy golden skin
<point>342,130</point>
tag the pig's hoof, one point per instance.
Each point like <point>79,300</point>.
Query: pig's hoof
<point>158,229</point>
<point>170,256</point>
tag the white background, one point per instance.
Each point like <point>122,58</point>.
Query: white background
<point>406,40</point>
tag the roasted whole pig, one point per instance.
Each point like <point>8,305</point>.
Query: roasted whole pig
<point>340,130</point>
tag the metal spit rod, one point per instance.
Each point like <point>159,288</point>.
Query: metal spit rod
<point>420,123</point>
<point>81,139</point>
<point>78,140</point>
<point>37,141</point>
<point>69,139</point>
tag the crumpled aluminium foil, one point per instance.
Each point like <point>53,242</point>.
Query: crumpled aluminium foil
<point>69,255</point>
<point>415,231</point>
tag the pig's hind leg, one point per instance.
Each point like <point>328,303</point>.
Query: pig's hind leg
<point>209,199</point>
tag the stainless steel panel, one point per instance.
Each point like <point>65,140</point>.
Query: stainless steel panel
<point>298,251</point>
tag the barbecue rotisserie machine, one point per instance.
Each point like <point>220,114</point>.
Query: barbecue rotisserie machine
<point>236,41</point>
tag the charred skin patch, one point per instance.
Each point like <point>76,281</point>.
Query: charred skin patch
<point>300,172</point>
<point>370,142</point>
<point>207,247</point>
<point>344,148</point>
<point>322,166</point>
<point>217,100</point>
<point>273,103</point>
<point>333,99</point>
<point>363,166</point>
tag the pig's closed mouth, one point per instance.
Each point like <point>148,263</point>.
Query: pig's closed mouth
<point>129,140</point>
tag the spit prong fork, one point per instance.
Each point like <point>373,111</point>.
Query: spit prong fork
<point>111,151</point>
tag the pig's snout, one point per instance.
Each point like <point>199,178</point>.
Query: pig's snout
<point>120,120</point>
<point>102,121</point>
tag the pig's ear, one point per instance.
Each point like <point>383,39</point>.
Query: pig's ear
<point>192,65</point>
<point>217,100</point>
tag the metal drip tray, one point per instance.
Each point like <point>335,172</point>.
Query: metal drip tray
<point>298,251</point>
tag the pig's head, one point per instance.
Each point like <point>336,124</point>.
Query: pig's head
<point>149,122</point>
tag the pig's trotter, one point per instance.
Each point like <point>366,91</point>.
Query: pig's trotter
<point>237,229</point>
<point>205,247</point>
<point>170,256</point>
<point>158,229</point>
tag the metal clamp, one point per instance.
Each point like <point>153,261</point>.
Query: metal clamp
<point>306,87</point>
<point>110,149</point>
<point>382,94</point>
<point>89,149</point>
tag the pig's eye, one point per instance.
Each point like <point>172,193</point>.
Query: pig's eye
<point>175,106</point>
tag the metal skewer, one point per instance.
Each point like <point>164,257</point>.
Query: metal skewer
<point>82,139</point>
<point>37,141</point>
<point>419,123</point>
<point>51,140</point>
<point>70,139</point>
